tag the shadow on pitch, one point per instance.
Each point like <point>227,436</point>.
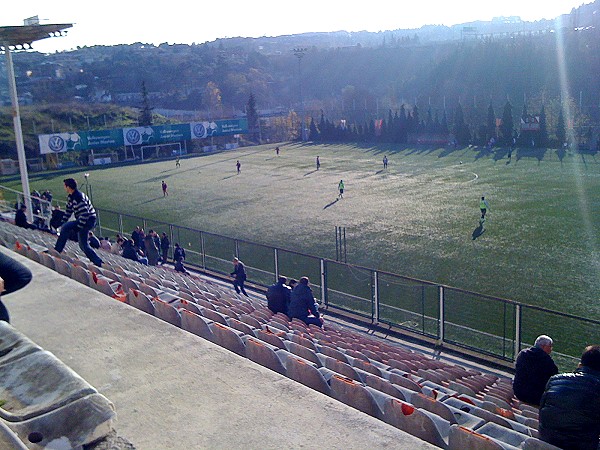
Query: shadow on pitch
<point>478,232</point>
<point>310,173</point>
<point>230,176</point>
<point>332,203</point>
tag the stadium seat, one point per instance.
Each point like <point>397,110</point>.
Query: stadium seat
<point>449,413</point>
<point>81,274</point>
<point>196,324</point>
<point>332,352</point>
<point>228,338</point>
<point>303,371</point>
<point>14,344</point>
<point>420,423</point>
<point>270,338</point>
<point>240,326</point>
<point>191,306</point>
<point>76,424</point>
<point>167,312</point>
<point>403,381</point>
<point>383,385</point>
<point>264,354</point>
<point>37,383</point>
<point>339,367</point>
<point>214,316</point>
<point>303,352</point>
<point>141,301</point>
<point>10,440</point>
<point>461,438</point>
<point>353,394</point>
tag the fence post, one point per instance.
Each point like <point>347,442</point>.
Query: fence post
<point>121,224</point>
<point>517,331</point>
<point>202,250</point>
<point>441,318</point>
<point>276,258</point>
<point>171,240</point>
<point>237,248</point>
<point>375,296</point>
<point>323,281</point>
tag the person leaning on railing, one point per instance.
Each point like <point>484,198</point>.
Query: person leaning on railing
<point>13,276</point>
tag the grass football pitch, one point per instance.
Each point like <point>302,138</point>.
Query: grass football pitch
<point>419,217</point>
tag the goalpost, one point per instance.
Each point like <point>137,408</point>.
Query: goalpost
<point>170,149</point>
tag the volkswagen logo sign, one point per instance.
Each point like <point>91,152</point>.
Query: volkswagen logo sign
<point>56,144</point>
<point>133,136</point>
<point>199,130</point>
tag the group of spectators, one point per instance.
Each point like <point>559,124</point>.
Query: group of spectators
<point>148,248</point>
<point>569,403</point>
<point>295,300</point>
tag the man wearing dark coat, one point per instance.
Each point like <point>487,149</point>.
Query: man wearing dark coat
<point>278,296</point>
<point>570,406</point>
<point>533,369</point>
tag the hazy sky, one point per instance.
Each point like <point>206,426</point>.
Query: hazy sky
<point>124,22</point>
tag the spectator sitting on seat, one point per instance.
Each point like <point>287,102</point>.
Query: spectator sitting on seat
<point>302,303</point>
<point>21,218</point>
<point>570,406</point>
<point>117,247</point>
<point>13,276</point>
<point>131,252</point>
<point>105,244</point>
<point>179,258</point>
<point>533,369</point>
<point>292,283</point>
<point>278,296</point>
<point>93,240</point>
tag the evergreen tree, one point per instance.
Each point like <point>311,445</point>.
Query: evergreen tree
<point>313,134</point>
<point>543,135</point>
<point>461,130</point>
<point>252,116</point>
<point>444,124</point>
<point>506,129</point>
<point>561,131</point>
<point>491,123</point>
<point>145,111</point>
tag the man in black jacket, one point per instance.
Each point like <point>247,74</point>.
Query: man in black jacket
<point>303,305</point>
<point>570,407</point>
<point>533,369</point>
<point>278,296</point>
<point>239,275</point>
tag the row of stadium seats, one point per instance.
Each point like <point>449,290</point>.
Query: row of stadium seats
<point>442,403</point>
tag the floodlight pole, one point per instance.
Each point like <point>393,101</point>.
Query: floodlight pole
<point>21,37</point>
<point>12,87</point>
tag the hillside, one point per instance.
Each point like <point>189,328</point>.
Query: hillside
<point>355,76</point>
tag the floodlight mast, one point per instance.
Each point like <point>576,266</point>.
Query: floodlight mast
<point>21,38</point>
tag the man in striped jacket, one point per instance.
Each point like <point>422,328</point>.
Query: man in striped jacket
<point>85,220</point>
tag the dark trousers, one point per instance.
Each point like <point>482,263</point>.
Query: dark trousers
<point>239,286</point>
<point>82,236</point>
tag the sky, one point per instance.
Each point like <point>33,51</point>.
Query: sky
<point>111,22</point>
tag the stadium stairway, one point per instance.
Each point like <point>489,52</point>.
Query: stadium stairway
<point>427,398</point>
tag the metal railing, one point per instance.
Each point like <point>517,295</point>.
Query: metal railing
<point>488,326</point>
<point>485,325</point>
